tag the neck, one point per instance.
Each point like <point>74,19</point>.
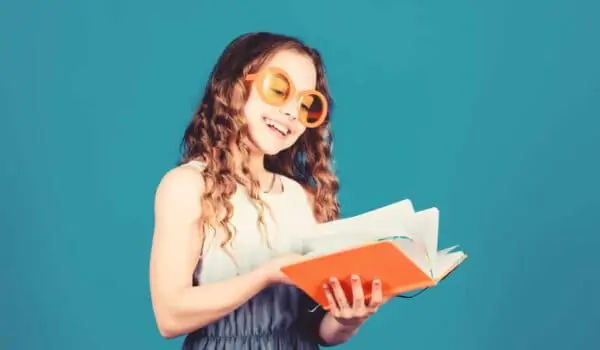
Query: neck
<point>255,164</point>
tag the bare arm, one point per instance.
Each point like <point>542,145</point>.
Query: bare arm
<point>179,307</point>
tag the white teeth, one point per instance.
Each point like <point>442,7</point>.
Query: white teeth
<point>282,129</point>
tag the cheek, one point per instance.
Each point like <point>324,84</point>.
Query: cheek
<point>253,108</point>
<point>299,130</point>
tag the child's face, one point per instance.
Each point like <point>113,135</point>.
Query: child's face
<point>275,128</point>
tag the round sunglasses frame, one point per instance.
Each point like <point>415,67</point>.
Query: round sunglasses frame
<point>259,78</point>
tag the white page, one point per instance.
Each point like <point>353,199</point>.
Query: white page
<point>415,252</point>
<point>447,250</point>
<point>356,230</point>
<point>429,226</point>
<point>372,222</point>
<point>423,228</point>
<point>397,219</point>
<point>447,262</point>
<point>332,243</point>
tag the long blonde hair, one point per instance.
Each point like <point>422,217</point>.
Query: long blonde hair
<point>218,123</point>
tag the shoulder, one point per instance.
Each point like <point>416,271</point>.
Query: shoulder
<point>179,187</point>
<point>181,179</point>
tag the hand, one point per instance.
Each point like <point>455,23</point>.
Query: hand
<point>271,270</point>
<point>354,313</point>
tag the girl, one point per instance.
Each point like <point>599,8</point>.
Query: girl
<point>255,176</point>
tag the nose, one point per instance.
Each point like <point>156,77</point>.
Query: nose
<point>290,110</point>
<point>289,115</point>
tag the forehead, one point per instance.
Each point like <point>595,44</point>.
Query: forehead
<point>300,68</point>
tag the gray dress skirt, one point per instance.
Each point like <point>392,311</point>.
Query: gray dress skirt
<point>278,318</point>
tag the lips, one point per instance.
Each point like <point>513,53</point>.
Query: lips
<point>277,127</point>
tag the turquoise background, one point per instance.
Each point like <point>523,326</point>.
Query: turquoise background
<point>488,110</point>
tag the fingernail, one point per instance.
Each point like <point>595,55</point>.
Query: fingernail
<point>333,279</point>
<point>377,282</point>
<point>355,277</point>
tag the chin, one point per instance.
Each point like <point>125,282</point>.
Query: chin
<point>270,148</point>
<point>269,144</point>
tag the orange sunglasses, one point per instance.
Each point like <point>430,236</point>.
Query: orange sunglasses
<point>276,88</point>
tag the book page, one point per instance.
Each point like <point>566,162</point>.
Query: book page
<point>445,263</point>
<point>423,227</point>
<point>327,244</point>
<point>416,252</point>
<point>364,228</point>
<point>447,250</point>
<point>429,230</point>
<point>384,218</point>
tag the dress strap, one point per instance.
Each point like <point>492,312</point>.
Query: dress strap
<point>196,164</point>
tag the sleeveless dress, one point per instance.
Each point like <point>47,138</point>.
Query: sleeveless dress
<point>280,316</point>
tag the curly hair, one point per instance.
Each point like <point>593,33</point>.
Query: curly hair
<point>218,123</point>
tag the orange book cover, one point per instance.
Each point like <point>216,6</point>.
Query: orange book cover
<point>404,262</point>
<point>383,260</point>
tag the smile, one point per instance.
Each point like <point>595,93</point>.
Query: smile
<point>275,126</point>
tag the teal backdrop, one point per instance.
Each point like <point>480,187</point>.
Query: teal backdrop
<point>488,110</point>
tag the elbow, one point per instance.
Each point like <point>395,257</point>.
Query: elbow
<point>172,324</point>
<point>174,319</point>
<point>169,334</point>
<point>167,319</point>
<point>168,328</point>
<point>168,325</point>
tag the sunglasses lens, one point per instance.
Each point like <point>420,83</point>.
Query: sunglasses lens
<point>276,88</point>
<point>312,110</point>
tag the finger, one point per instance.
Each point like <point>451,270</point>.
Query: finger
<point>339,294</point>
<point>376,295</point>
<point>333,308</point>
<point>358,296</point>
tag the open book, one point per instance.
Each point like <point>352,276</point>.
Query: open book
<point>393,243</point>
